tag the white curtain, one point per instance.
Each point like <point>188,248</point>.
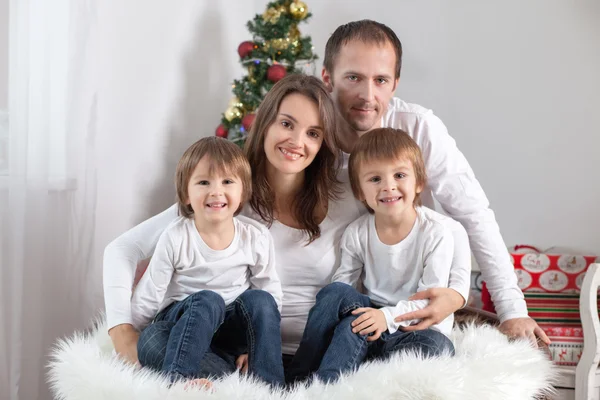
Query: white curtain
<point>48,192</point>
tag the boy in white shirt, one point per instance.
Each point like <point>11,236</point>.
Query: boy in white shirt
<point>211,282</point>
<point>396,250</point>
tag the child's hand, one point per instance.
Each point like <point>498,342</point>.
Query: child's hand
<point>242,363</point>
<point>372,321</point>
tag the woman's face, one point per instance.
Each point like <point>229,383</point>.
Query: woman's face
<point>295,137</point>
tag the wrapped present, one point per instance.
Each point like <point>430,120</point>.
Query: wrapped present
<point>558,315</point>
<point>565,350</point>
<point>560,331</point>
<point>546,272</point>
<point>567,343</point>
<point>553,308</point>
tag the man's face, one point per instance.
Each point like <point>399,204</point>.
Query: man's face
<point>362,83</point>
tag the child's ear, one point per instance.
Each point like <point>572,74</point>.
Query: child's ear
<point>419,189</point>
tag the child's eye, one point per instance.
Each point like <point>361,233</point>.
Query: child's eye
<point>399,175</point>
<point>228,181</point>
<point>374,179</point>
<point>286,124</point>
<point>313,134</point>
<point>204,183</point>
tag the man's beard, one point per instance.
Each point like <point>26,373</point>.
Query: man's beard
<point>362,126</point>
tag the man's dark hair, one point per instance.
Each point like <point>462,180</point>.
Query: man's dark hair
<point>367,31</point>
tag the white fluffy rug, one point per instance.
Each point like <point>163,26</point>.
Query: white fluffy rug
<point>486,366</point>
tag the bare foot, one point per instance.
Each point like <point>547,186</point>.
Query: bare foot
<point>198,383</point>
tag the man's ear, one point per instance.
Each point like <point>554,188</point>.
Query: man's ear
<point>327,80</point>
<point>396,82</point>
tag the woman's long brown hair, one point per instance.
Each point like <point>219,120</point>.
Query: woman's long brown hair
<point>320,181</point>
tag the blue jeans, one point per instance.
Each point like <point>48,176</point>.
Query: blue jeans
<point>330,348</point>
<point>201,337</point>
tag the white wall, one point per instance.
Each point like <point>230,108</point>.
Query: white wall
<point>516,83</point>
<point>3,54</point>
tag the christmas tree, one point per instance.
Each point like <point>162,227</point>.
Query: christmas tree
<point>276,49</point>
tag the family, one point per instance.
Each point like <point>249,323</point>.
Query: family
<point>316,248</point>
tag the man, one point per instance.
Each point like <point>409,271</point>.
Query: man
<point>361,69</point>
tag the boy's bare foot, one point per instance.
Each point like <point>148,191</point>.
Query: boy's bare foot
<point>198,383</point>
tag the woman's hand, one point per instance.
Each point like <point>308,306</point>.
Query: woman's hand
<point>125,339</point>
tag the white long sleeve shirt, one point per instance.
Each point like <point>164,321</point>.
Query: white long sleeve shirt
<point>452,183</point>
<point>392,273</point>
<point>183,264</point>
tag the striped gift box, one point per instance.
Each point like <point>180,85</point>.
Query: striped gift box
<point>566,350</point>
<point>553,308</point>
<point>558,315</point>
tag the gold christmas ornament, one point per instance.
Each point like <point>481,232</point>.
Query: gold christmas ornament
<point>235,103</point>
<point>251,72</point>
<point>276,45</point>
<point>294,33</point>
<point>232,113</point>
<point>280,44</point>
<point>271,15</point>
<point>298,9</point>
<point>296,47</point>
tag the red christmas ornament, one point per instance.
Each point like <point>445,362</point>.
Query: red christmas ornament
<point>245,48</point>
<point>247,121</point>
<point>221,131</point>
<point>276,72</point>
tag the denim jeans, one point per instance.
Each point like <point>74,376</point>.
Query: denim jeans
<point>201,337</point>
<point>330,348</point>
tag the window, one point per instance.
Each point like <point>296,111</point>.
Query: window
<point>3,142</point>
<point>3,87</point>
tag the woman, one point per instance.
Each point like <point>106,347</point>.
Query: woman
<point>297,192</point>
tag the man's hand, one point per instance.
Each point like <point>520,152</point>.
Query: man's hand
<point>125,338</point>
<point>372,320</point>
<point>242,363</point>
<point>442,303</point>
<point>524,328</point>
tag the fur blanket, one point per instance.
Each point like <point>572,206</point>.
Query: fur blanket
<point>486,366</point>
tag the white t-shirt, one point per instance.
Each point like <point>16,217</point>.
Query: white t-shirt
<point>392,273</point>
<point>183,264</point>
<point>452,183</point>
<point>303,268</point>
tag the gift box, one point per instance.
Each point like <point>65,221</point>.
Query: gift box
<point>567,343</point>
<point>547,272</point>
<point>558,315</point>
<point>553,308</point>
